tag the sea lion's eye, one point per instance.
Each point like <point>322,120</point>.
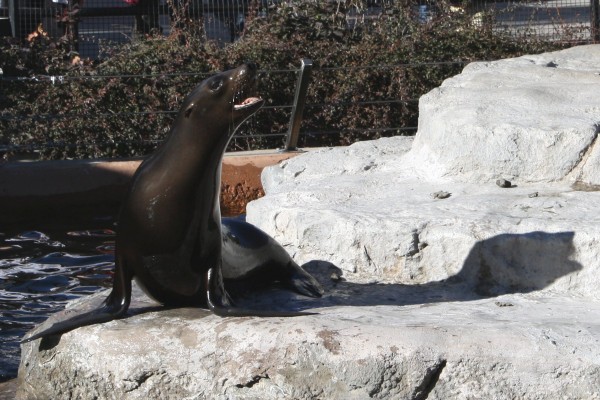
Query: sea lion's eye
<point>215,84</point>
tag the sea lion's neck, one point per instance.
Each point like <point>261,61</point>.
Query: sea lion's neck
<point>196,153</point>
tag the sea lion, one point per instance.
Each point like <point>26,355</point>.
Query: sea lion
<point>251,258</point>
<point>169,232</point>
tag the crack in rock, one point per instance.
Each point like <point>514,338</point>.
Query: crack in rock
<point>253,381</point>
<point>368,257</point>
<point>414,246</point>
<point>429,381</point>
<point>138,381</point>
<point>585,154</point>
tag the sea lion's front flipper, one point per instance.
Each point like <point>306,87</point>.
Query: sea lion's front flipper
<point>115,306</point>
<point>217,298</point>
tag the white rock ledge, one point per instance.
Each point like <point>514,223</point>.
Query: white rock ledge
<point>491,293</point>
<point>369,209</point>
<point>436,341</point>
<point>531,119</point>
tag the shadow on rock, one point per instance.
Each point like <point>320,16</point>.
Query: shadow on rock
<point>523,263</point>
<point>503,264</point>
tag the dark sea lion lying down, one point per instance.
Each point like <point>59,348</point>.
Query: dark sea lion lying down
<point>170,236</point>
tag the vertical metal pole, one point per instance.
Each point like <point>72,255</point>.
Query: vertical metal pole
<point>14,17</point>
<point>595,20</point>
<point>298,107</point>
<point>75,7</point>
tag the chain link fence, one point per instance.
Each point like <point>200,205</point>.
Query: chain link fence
<point>93,22</point>
<point>554,19</point>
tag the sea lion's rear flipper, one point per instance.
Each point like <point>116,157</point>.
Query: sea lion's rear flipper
<point>105,313</point>
<point>220,304</point>
<point>115,306</point>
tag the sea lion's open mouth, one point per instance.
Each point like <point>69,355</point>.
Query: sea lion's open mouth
<point>247,103</point>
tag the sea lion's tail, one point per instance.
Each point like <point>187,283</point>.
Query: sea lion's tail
<point>220,304</point>
<point>107,312</point>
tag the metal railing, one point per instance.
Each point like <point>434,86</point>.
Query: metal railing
<point>291,141</point>
<point>288,138</point>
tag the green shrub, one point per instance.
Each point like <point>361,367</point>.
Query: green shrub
<point>367,80</point>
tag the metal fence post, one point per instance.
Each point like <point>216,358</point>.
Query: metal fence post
<point>595,20</point>
<point>298,107</point>
<point>14,17</point>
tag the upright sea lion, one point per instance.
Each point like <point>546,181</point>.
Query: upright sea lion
<point>169,232</point>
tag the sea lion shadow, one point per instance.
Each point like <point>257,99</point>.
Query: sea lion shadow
<point>503,264</point>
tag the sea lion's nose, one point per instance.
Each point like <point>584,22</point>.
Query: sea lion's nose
<point>247,68</point>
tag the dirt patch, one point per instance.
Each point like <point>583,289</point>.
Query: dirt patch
<point>330,340</point>
<point>240,184</point>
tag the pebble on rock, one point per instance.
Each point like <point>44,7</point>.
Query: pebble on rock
<point>441,195</point>
<point>503,183</point>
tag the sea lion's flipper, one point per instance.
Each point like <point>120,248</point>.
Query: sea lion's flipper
<point>217,297</point>
<point>105,313</point>
<point>115,306</point>
<point>302,282</point>
<point>220,304</point>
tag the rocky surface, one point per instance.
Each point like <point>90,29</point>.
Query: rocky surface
<point>531,119</point>
<point>436,341</point>
<point>440,283</point>
<point>385,223</point>
<point>8,390</point>
<point>374,210</point>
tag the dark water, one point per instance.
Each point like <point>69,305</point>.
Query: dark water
<point>41,270</point>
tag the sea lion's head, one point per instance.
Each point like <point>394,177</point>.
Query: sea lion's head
<point>223,101</point>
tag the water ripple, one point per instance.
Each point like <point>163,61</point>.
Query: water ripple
<point>36,280</point>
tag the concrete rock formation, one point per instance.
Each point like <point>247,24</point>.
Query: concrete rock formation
<point>531,119</point>
<point>374,210</point>
<point>483,292</point>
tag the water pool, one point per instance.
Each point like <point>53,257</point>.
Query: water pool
<point>42,269</point>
